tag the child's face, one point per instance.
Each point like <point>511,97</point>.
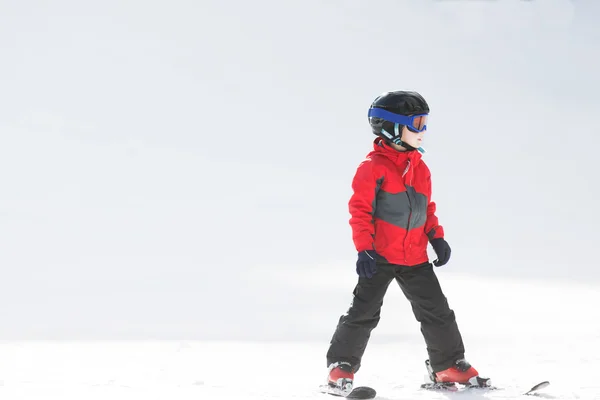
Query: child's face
<point>412,138</point>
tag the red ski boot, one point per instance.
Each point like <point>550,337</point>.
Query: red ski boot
<point>341,377</point>
<point>460,372</point>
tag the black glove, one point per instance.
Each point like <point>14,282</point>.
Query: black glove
<point>442,249</point>
<point>366,266</point>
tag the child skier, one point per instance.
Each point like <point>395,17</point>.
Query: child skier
<point>393,219</point>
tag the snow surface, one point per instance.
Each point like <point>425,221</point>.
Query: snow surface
<point>516,333</point>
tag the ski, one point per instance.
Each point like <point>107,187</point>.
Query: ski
<point>359,392</point>
<point>537,387</point>
<point>367,393</point>
<point>453,387</point>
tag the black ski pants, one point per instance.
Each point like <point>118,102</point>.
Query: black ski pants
<point>430,307</point>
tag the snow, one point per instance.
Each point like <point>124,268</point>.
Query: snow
<point>518,334</point>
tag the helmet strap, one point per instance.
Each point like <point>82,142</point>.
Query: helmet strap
<point>398,138</point>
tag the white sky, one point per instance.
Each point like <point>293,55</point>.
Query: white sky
<point>156,155</point>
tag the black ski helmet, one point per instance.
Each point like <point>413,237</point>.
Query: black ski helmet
<point>399,102</point>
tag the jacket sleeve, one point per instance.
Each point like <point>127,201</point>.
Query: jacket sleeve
<point>365,186</point>
<point>433,229</point>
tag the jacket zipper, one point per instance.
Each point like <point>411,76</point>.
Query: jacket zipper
<point>409,213</point>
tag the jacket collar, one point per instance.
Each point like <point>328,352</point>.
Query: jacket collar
<point>398,157</point>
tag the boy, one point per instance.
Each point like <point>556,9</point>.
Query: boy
<point>393,219</point>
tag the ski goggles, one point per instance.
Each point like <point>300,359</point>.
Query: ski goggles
<point>415,123</point>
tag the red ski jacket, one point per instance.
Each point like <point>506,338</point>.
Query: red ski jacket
<point>391,208</point>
